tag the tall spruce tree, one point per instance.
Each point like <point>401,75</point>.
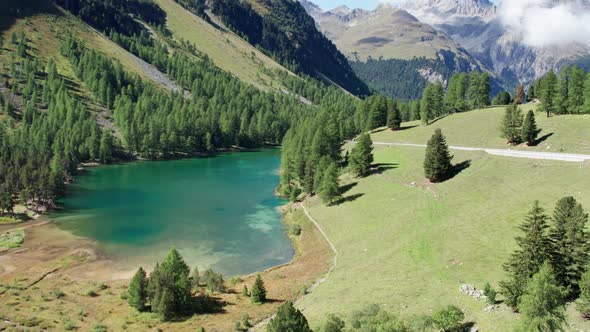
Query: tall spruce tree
<point>586,106</point>
<point>575,102</point>
<point>258,291</point>
<point>329,188</point>
<point>569,244</point>
<point>542,304</point>
<point>437,162</point>
<point>533,250</point>
<point>512,124</point>
<point>529,131</point>
<point>288,319</point>
<point>361,156</point>
<point>137,291</point>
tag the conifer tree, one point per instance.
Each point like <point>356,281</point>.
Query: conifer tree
<point>431,105</point>
<point>548,93</point>
<point>245,291</point>
<point>575,100</point>
<point>137,291</point>
<point>583,303</point>
<point>542,304</point>
<point>519,97</point>
<point>569,244</point>
<point>361,156</point>
<point>258,292</point>
<point>586,107</point>
<point>394,118</point>
<point>329,188</point>
<point>165,306</point>
<point>529,129</point>
<point>512,124</point>
<point>334,324</point>
<point>437,162</point>
<point>288,319</point>
<point>533,250</point>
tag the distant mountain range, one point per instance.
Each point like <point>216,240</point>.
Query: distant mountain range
<point>472,31</point>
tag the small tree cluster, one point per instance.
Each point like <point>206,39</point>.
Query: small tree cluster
<point>361,156</point>
<point>561,246</point>
<point>288,318</point>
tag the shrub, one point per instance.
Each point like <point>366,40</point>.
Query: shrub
<point>295,229</point>
<point>99,328</point>
<point>90,292</point>
<point>57,293</point>
<point>449,318</point>
<point>490,293</point>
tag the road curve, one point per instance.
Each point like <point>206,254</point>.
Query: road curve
<point>569,157</point>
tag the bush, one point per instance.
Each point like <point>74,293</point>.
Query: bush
<point>449,318</point>
<point>295,229</point>
<point>99,328</point>
<point>490,293</point>
<point>90,292</point>
<point>57,293</point>
<point>68,324</point>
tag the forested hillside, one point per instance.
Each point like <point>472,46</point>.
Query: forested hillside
<point>217,110</point>
<point>283,30</point>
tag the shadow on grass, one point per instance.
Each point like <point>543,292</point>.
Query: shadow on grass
<point>382,167</point>
<point>406,128</point>
<point>542,139</point>
<point>349,198</point>
<point>458,168</point>
<point>346,188</point>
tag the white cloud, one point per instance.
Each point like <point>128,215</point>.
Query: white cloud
<point>548,22</point>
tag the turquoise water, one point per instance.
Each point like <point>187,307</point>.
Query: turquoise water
<point>219,212</point>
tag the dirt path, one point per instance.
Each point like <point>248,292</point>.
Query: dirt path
<point>569,157</point>
<point>318,282</point>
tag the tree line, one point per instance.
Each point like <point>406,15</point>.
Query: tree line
<point>565,93</point>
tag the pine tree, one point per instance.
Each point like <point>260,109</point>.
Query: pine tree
<point>586,107</point>
<point>569,244</point>
<point>333,324</point>
<point>137,291</point>
<point>519,96</point>
<point>575,100</point>
<point>437,162</point>
<point>529,129</point>
<point>583,303</point>
<point>195,277</point>
<point>361,156</point>
<point>542,304</point>
<point>512,124</point>
<point>258,292</point>
<point>533,251</point>
<point>105,150</point>
<point>166,305</point>
<point>245,291</point>
<point>288,319</point>
<point>329,188</point>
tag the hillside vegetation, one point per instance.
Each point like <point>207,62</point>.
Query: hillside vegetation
<point>481,128</point>
<point>408,245</point>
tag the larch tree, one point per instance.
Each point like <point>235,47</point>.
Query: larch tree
<point>575,102</point>
<point>437,162</point>
<point>569,244</point>
<point>137,291</point>
<point>329,189</point>
<point>519,96</point>
<point>542,303</point>
<point>529,130</point>
<point>288,319</point>
<point>511,126</point>
<point>533,250</point>
<point>394,118</point>
<point>583,302</point>
<point>361,156</point>
<point>548,93</point>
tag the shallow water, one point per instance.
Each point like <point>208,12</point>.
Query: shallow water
<point>219,212</point>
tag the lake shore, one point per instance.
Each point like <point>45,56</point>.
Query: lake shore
<point>51,258</point>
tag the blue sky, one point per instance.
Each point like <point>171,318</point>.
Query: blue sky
<point>367,4</point>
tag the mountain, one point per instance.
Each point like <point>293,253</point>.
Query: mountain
<point>479,26</point>
<point>391,49</point>
<point>284,31</point>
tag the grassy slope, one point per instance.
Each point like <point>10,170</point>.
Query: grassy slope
<point>226,49</point>
<point>409,248</point>
<point>481,128</point>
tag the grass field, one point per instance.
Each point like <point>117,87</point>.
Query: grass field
<point>409,245</point>
<point>481,128</point>
<point>226,49</point>
<point>11,239</point>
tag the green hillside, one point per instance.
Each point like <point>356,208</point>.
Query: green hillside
<point>481,128</point>
<point>408,245</point>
